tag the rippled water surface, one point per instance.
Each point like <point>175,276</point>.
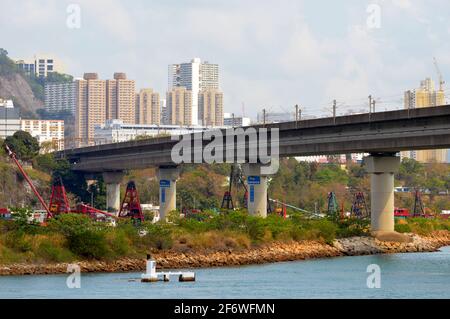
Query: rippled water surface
<point>414,275</point>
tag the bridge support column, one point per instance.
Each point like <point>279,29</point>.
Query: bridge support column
<point>382,168</point>
<point>167,190</point>
<point>112,181</point>
<point>257,190</point>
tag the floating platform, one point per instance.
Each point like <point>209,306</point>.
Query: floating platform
<point>151,275</point>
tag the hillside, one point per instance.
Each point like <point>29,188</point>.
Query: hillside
<point>14,190</point>
<point>27,92</point>
<point>15,87</point>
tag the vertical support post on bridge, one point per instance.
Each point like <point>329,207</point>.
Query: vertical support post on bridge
<point>257,190</point>
<point>168,177</point>
<point>382,168</point>
<point>112,181</point>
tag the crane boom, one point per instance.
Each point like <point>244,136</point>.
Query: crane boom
<point>12,155</point>
<point>295,208</point>
<point>441,79</point>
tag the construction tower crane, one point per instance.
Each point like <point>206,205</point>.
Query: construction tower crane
<point>441,79</point>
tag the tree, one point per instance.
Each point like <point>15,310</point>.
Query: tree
<point>48,146</point>
<point>74,182</point>
<point>24,145</point>
<point>7,66</point>
<point>2,149</point>
<point>331,173</point>
<point>411,172</point>
<point>200,188</point>
<point>97,192</point>
<point>56,77</point>
<point>434,184</point>
<point>45,163</point>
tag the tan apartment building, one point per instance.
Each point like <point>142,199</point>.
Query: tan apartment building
<point>425,96</point>
<point>210,105</point>
<point>179,106</point>
<point>96,101</point>
<point>120,99</point>
<point>90,108</point>
<point>148,107</point>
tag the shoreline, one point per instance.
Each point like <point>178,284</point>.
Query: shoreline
<point>265,253</point>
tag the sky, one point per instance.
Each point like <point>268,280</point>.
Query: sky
<point>272,54</point>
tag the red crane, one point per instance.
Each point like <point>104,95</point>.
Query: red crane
<point>12,155</point>
<point>131,206</point>
<point>58,202</point>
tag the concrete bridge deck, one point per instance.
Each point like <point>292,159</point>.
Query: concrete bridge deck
<point>382,132</point>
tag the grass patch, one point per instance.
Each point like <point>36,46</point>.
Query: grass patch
<point>76,237</point>
<point>421,226</point>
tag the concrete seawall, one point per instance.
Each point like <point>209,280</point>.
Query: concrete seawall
<point>267,253</point>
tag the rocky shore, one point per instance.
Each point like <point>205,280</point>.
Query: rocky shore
<point>273,252</point>
<point>355,246</point>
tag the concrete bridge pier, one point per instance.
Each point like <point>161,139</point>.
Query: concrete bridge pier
<point>257,190</point>
<point>168,177</point>
<point>382,168</point>
<point>112,181</point>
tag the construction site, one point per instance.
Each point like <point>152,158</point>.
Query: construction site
<point>237,184</point>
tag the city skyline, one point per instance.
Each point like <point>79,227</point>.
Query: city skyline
<point>291,60</point>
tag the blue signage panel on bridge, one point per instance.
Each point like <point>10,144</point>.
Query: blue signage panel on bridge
<point>164,183</point>
<point>252,193</point>
<point>253,180</point>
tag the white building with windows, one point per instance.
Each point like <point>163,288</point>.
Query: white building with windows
<point>323,159</point>
<point>40,65</point>
<point>194,76</point>
<point>235,121</point>
<point>60,97</point>
<point>9,118</point>
<point>46,131</point>
<point>115,131</point>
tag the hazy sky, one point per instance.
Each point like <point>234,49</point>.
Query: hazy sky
<point>271,54</point>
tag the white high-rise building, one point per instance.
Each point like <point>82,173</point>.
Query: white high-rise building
<point>60,97</point>
<point>9,118</point>
<point>116,131</point>
<point>40,65</point>
<point>194,76</point>
<point>45,65</point>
